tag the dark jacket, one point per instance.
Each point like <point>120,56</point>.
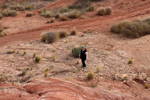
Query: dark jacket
<point>83,54</point>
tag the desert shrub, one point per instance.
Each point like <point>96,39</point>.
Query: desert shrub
<point>147,86</point>
<point>90,75</point>
<point>10,52</point>
<point>48,13</point>
<point>80,4</point>
<point>37,59</point>
<point>62,34</point>
<point>9,12</point>
<point>104,11</point>
<point>101,11</point>
<point>130,62</point>
<point>50,21</point>
<point>90,8</point>
<point>73,32</point>
<point>74,14</point>
<point>63,18</point>
<point>97,69</point>
<point>20,6</point>
<point>132,29</point>
<point>2,78</point>
<point>108,11</point>
<point>34,55</point>
<point>29,14</point>
<point>23,73</point>
<point>57,15</point>
<point>2,33</point>
<point>17,7</point>
<point>63,10</point>
<point>49,37</point>
<point>76,52</point>
<point>24,53</point>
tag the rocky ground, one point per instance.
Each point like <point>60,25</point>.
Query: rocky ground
<point>120,65</point>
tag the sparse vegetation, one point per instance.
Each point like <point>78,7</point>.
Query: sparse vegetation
<point>63,18</point>
<point>25,79</point>
<point>76,51</point>
<point>10,52</point>
<point>2,78</point>
<point>2,33</point>
<point>50,21</point>
<point>49,37</point>
<point>8,12</point>
<point>62,34</point>
<point>73,32</point>
<point>101,11</point>
<point>132,29</point>
<point>37,59</point>
<point>147,86</point>
<point>108,11</point>
<point>90,8</point>
<point>45,74</point>
<point>54,57</point>
<point>97,69</point>
<point>24,53</point>
<point>34,55</point>
<point>73,14</point>
<point>22,73</point>
<point>90,75</point>
<point>29,14</point>
<point>130,62</point>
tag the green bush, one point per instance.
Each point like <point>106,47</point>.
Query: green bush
<point>62,34</point>
<point>37,59</point>
<point>49,37</point>
<point>132,29</point>
<point>76,52</point>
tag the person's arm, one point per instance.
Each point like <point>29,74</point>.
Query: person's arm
<point>80,54</point>
<point>86,55</point>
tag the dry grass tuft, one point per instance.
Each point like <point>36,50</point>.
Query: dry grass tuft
<point>104,11</point>
<point>49,37</point>
<point>132,29</point>
<point>90,75</point>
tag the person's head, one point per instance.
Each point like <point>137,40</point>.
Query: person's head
<point>83,48</point>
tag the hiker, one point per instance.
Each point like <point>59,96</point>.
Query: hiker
<point>83,56</point>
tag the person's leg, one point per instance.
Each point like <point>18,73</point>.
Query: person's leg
<point>82,62</point>
<point>84,65</point>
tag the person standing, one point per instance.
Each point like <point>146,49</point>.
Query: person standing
<point>83,56</point>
